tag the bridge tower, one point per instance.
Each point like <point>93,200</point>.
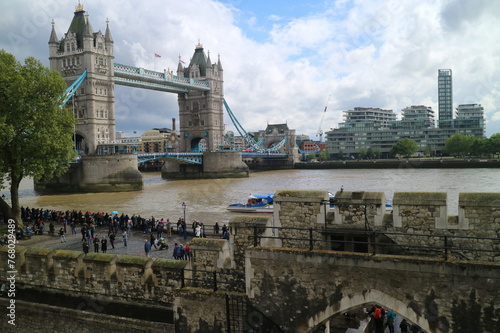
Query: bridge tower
<point>201,114</point>
<point>81,48</point>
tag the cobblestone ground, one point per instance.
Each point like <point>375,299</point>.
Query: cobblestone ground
<point>135,243</point>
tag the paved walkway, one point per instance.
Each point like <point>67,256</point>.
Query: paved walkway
<point>135,243</point>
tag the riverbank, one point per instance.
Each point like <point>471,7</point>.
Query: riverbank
<point>416,163</point>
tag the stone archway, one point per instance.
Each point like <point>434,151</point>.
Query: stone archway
<point>198,145</point>
<point>366,299</point>
<point>81,146</point>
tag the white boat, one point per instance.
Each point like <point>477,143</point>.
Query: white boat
<point>256,203</point>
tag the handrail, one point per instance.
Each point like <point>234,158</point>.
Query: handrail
<point>451,244</point>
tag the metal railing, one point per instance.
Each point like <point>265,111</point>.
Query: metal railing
<point>381,242</point>
<point>230,281</point>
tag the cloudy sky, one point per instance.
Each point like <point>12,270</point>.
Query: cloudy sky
<point>283,59</point>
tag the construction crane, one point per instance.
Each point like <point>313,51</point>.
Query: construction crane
<point>320,131</point>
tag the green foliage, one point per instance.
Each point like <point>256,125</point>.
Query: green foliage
<point>311,156</point>
<point>404,147</point>
<point>427,150</point>
<point>35,134</point>
<point>323,156</point>
<point>493,145</point>
<point>459,144</point>
<point>341,154</point>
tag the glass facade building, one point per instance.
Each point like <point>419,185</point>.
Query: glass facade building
<point>379,130</point>
<point>445,97</point>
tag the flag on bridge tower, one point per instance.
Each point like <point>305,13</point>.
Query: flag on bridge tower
<point>157,55</point>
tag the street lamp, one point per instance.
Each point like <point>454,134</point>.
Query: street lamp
<point>184,225</point>
<point>184,210</point>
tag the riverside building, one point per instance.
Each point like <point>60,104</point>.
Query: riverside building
<point>378,129</point>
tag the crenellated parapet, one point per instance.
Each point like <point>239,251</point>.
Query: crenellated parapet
<point>479,212</point>
<point>358,208</point>
<point>420,211</point>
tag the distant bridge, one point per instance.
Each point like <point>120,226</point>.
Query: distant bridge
<point>197,158</point>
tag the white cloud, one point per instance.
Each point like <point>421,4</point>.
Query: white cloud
<point>365,53</point>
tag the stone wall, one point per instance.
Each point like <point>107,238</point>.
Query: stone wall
<point>301,289</point>
<point>107,173</point>
<point>295,287</point>
<point>422,214</point>
<point>137,288</point>
<point>297,210</point>
<point>215,165</point>
<point>47,318</point>
<point>224,164</point>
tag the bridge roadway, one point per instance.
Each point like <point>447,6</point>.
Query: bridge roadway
<point>148,79</point>
<point>197,158</point>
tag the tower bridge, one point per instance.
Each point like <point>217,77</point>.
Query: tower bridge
<point>85,58</point>
<point>199,87</point>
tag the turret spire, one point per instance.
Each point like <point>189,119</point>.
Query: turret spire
<point>107,36</point>
<point>53,35</point>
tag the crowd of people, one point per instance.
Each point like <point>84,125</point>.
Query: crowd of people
<point>118,226</point>
<point>385,318</point>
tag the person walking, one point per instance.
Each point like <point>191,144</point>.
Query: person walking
<point>186,251</point>
<point>73,228</point>
<point>85,246</point>
<point>169,229</point>
<point>112,240</point>
<point>104,244</point>
<point>391,317</point>
<point>61,234</point>
<point>97,241</point>
<point>377,313</point>
<point>147,247</point>
<point>125,238</point>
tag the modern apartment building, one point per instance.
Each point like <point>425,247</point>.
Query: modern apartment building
<point>378,129</point>
<point>445,96</point>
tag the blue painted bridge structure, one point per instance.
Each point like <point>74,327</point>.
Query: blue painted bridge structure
<point>197,158</point>
<point>161,81</point>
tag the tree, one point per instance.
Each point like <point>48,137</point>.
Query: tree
<point>427,150</point>
<point>363,152</point>
<point>311,156</point>
<point>493,144</point>
<point>341,154</point>
<point>459,144</point>
<point>369,152</point>
<point>404,147</point>
<point>479,147</point>
<point>323,156</point>
<point>35,133</point>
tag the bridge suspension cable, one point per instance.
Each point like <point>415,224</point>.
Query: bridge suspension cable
<point>71,90</point>
<point>256,146</point>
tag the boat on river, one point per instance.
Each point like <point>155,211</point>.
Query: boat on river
<point>256,203</point>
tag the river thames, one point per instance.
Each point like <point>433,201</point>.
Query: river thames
<point>207,199</point>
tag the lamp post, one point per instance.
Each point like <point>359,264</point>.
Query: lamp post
<point>184,225</point>
<point>184,210</point>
